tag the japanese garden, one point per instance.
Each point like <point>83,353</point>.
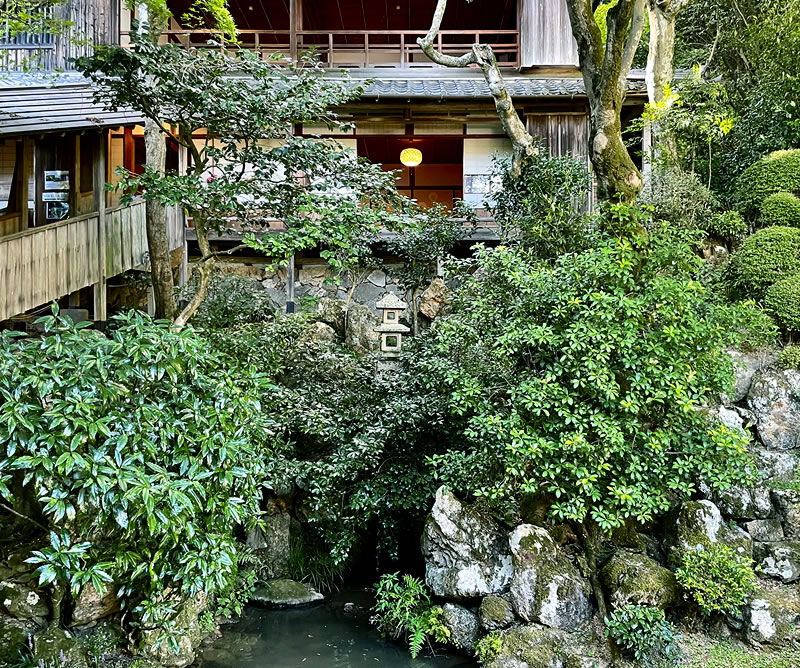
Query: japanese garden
<point>421,333</point>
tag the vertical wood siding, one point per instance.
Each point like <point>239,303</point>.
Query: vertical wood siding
<point>562,134</point>
<point>545,34</point>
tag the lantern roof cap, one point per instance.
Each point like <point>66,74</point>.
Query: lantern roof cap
<point>392,328</point>
<point>391,301</point>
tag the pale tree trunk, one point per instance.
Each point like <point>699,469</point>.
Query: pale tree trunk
<point>204,267</point>
<point>605,69</point>
<point>155,213</point>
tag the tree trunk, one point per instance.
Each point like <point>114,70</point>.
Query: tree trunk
<point>204,267</point>
<point>617,177</point>
<point>156,222</point>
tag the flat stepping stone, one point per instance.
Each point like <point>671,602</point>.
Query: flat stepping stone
<point>285,593</point>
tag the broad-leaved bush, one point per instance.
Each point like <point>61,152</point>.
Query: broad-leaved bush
<point>728,226</point>
<point>644,633</point>
<point>717,578</point>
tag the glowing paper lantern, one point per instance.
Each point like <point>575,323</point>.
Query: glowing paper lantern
<point>411,157</point>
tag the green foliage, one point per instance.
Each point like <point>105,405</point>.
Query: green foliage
<point>310,561</point>
<point>231,300</point>
<point>488,647</point>
<point>763,259</point>
<point>141,450</point>
<point>729,226</point>
<point>543,207</point>
<point>790,357</point>
<point>780,209</point>
<point>581,380</point>
<point>403,609</point>
<point>717,578</point>
<point>230,602</point>
<point>783,299</point>
<point>726,655</point>
<point>644,633</point>
<point>30,17</point>
<point>777,172</point>
<point>679,198</point>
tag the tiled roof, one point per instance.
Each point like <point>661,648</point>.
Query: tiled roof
<point>473,88</point>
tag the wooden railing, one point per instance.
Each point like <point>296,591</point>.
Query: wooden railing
<point>360,48</point>
<point>45,263</point>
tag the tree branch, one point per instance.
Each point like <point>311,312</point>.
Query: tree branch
<point>426,43</point>
<point>631,44</point>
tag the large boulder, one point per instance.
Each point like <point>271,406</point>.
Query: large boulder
<point>332,312</point>
<point>534,646</point>
<point>23,601</point>
<point>57,647</point>
<point>776,465</point>
<point>466,553</point>
<point>496,612</point>
<point>745,366</point>
<point>765,531</point>
<point>90,605</point>
<point>787,501</point>
<point>13,638</point>
<point>318,332</point>
<point>272,544</point>
<point>463,626</point>
<point>744,503</point>
<point>773,616</point>
<point>774,398</point>
<point>360,331</point>
<point>630,577</point>
<point>779,560</point>
<point>435,299</point>
<point>189,633</point>
<point>546,587</point>
<point>285,593</point>
<point>698,524</point>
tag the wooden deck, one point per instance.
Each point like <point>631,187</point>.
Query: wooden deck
<point>45,263</point>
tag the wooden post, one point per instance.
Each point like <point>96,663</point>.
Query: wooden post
<point>290,285</point>
<point>293,29</point>
<point>99,187</point>
<point>23,177</point>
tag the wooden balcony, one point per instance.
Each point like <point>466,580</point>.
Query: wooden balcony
<point>358,48</point>
<point>45,263</point>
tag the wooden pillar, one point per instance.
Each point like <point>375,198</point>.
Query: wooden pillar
<point>290,285</point>
<point>99,188</point>
<point>293,6</point>
<point>129,150</point>
<point>23,178</point>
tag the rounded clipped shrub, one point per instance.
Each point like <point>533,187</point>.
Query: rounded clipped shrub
<point>780,209</point>
<point>764,258</point>
<point>728,226</point>
<point>783,299</point>
<point>789,358</point>
<point>777,172</point>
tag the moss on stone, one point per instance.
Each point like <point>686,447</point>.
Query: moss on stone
<point>495,613</point>
<point>635,578</point>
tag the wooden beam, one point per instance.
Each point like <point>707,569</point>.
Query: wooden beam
<point>99,188</point>
<point>293,28</point>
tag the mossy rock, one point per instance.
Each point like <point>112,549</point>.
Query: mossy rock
<point>773,615</point>
<point>780,209</point>
<point>635,578</point>
<point>13,639</point>
<point>57,647</point>
<point>533,646</point>
<point>777,172</point>
<point>495,613</point>
<point>285,593</point>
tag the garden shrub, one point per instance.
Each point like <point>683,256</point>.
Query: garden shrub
<point>790,357</point>
<point>488,647</point>
<point>783,299</point>
<point>780,209</point>
<point>230,300</point>
<point>679,198</point>
<point>644,633</point>
<point>777,172</point>
<point>763,259</point>
<point>717,578</point>
<point>728,226</point>
<point>403,609</point>
<point>140,451</point>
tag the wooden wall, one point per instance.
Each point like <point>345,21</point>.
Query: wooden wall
<point>562,133</point>
<point>90,22</point>
<point>545,34</point>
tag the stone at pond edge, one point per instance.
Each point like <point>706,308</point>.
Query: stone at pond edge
<point>466,553</point>
<point>91,606</point>
<point>774,398</point>
<point>546,587</point>
<point>56,647</point>
<point>630,577</point>
<point>272,545</point>
<point>779,560</point>
<point>22,601</point>
<point>285,593</point>
<point>189,635</point>
<point>772,616</point>
<point>463,626</point>
<point>495,613</point>
<point>533,646</point>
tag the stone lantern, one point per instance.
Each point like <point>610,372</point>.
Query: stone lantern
<point>390,329</point>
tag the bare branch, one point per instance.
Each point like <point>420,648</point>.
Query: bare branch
<point>426,43</point>
<point>632,43</point>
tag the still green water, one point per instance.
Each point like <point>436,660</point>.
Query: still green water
<point>318,637</point>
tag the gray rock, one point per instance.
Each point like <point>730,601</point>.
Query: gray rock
<point>332,312</point>
<point>630,577</point>
<point>22,601</point>
<point>787,501</point>
<point>699,524</point>
<point>285,593</point>
<point>13,638</point>
<point>378,278</point>
<point>368,295</point>
<point>495,613</point>
<point>731,418</point>
<point>743,503</point>
<point>190,633</point>
<point>466,553</point>
<point>57,647</point>
<point>318,332</point>
<point>779,560</point>
<point>435,299</point>
<point>774,398</point>
<point>776,465</point>
<point>463,626</point>
<point>272,545</point>
<point>360,332</point>
<point>746,364</point>
<point>765,531</point>
<point>534,646</point>
<point>546,587</point>
<point>772,616</point>
<point>90,605</point>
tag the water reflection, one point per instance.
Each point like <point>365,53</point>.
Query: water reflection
<point>310,638</point>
